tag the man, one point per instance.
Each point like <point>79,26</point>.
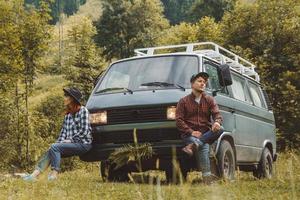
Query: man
<point>193,119</point>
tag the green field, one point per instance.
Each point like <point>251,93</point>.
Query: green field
<point>85,183</point>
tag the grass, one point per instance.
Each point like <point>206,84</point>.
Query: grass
<point>86,183</point>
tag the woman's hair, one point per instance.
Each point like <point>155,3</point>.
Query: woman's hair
<point>73,107</point>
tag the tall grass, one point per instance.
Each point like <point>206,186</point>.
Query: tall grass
<point>86,183</point>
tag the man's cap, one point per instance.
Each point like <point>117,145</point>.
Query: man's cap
<point>73,92</point>
<point>200,74</point>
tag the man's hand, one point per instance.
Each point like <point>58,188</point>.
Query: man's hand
<point>216,127</point>
<point>66,141</point>
<point>196,134</point>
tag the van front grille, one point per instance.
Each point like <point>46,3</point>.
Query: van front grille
<point>147,135</point>
<point>136,115</point>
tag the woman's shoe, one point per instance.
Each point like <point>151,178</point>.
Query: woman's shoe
<point>29,178</point>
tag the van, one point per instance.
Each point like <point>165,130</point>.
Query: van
<point>142,93</point>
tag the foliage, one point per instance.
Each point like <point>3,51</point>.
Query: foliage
<point>10,49</point>
<point>177,11</point>
<point>68,7</point>
<point>85,62</point>
<point>269,32</point>
<point>129,153</point>
<point>126,25</point>
<point>24,37</point>
<point>211,8</point>
<point>9,138</point>
<point>204,30</point>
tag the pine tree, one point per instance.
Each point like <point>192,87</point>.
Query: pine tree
<point>85,62</point>
<point>25,32</point>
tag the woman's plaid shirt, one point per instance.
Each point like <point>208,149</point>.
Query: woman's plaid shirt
<point>76,127</point>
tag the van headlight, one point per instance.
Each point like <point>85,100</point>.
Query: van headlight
<point>171,112</point>
<point>98,118</point>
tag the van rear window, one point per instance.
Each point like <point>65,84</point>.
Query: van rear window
<point>256,95</point>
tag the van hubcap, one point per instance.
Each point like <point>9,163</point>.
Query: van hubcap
<point>268,166</point>
<point>227,164</point>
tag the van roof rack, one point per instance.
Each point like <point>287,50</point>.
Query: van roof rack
<point>209,49</point>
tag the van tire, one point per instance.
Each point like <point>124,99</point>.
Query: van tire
<point>226,160</point>
<point>265,166</point>
<point>108,173</point>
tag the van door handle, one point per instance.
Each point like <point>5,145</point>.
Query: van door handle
<point>232,111</point>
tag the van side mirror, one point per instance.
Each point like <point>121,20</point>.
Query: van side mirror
<point>224,75</point>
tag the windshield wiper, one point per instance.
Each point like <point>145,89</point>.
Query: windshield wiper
<point>114,88</point>
<point>163,84</point>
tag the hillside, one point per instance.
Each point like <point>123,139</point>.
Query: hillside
<point>46,85</point>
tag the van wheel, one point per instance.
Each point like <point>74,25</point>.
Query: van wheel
<point>265,166</point>
<point>103,168</point>
<point>226,160</point>
<point>108,173</point>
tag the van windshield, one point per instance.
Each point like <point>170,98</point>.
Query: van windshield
<point>150,73</point>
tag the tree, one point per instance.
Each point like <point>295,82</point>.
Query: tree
<point>34,37</point>
<point>126,25</point>
<point>69,7</point>
<point>211,8</point>
<point>25,32</point>
<point>176,11</point>
<point>204,30</point>
<point>85,62</point>
<point>269,31</point>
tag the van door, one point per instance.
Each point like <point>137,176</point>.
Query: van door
<point>265,122</point>
<point>223,99</point>
<point>246,121</point>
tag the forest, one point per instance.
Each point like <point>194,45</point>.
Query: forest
<point>47,45</point>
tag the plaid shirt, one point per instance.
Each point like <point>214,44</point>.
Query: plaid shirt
<point>191,116</point>
<point>76,128</point>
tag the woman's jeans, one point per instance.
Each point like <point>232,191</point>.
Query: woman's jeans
<point>61,150</point>
<point>202,155</point>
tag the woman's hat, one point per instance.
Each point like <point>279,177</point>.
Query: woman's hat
<point>73,92</point>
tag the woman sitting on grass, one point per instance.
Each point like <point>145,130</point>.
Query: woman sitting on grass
<point>75,137</point>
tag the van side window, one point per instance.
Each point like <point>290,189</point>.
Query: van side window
<point>256,95</point>
<point>213,81</point>
<point>238,88</point>
<point>248,97</point>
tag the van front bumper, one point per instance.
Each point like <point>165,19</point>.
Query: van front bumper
<point>163,137</point>
<point>162,150</point>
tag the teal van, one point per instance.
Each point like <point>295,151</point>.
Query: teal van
<point>142,92</point>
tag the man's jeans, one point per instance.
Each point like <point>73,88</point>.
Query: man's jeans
<point>61,150</point>
<point>202,155</point>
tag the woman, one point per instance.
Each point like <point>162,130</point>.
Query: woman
<point>75,137</point>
